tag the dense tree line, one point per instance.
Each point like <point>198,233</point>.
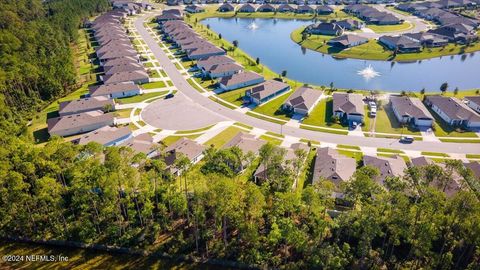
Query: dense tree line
<point>110,195</point>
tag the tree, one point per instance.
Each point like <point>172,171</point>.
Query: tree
<point>235,44</point>
<point>444,88</point>
<point>455,91</point>
<point>422,91</point>
<point>257,61</point>
<point>284,73</point>
<point>219,36</point>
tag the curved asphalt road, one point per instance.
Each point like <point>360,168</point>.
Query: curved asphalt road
<point>195,97</point>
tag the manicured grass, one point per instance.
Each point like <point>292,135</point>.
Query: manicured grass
<point>193,130</point>
<point>275,134</point>
<point>280,122</point>
<point>356,155</point>
<point>309,141</point>
<point>178,66</point>
<point>194,85</point>
<point>321,115</point>
<point>306,174</point>
<point>140,98</point>
<point>148,64</point>
<point>442,129</point>
<point>243,125</point>
<point>386,122</point>
<point>234,96</point>
<point>163,73</point>
<point>425,153</point>
<point>339,132</point>
<point>153,74</point>
<point>85,259</point>
<point>390,28</point>
<point>346,146</point>
<point>172,139</point>
<point>123,113</point>
<point>391,155</point>
<point>273,141</point>
<point>219,101</point>
<point>223,137</point>
<point>460,141</point>
<point>273,107</point>
<point>473,155</point>
<point>153,85</point>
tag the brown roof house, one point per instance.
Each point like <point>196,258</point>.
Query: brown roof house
<point>265,91</point>
<point>239,80</point>
<point>106,136</point>
<point>348,106</point>
<point>247,143</point>
<point>115,90</point>
<point>190,149</point>
<point>302,101</point>
<point>411,110</point>
<point>388,167</point>
<point>332,166</point>
<point>79,123</point>
<point>82,105</point>
<point>453,111</point>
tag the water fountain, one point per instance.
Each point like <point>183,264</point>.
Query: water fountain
<point>368,73</point>
<point>252,26</point>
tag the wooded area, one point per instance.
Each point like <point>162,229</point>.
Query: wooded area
<point>111,196</point>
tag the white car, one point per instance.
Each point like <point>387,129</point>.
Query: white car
<point>372,105</point>
<point>373,111</point>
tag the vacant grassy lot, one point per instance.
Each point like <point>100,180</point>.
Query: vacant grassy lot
<point>223,137</point>
<point>321,115</point>
<point>273,107</point>
<point>387,123</point>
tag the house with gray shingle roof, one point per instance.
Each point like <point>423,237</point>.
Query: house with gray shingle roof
<point>226,7</point>
<point>82,105</point>
<point>127,67</point>
<point>302,101</point>
<point>348,106</point>
<point>136,76</point>
<point>324,28</point>
<point>222,70</point>
<point>79,123</point>
<point>402,43</point>
<point>190,149</point>
<point>453,111</point>
<point>142,143</point>
<point>411,110</point>
<point>239,80</point>
<point>473,102</point>
<point>332,166</point>
<point>106,136</point>
<point>115,90</point>
<point>265,91</point>
<point>347,41</point>
<point>387,167</point>
<point>206,63</point>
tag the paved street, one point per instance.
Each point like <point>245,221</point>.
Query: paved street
<point>197,98</point>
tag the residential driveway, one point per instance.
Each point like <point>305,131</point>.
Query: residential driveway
<point>188,115</point>
<point>178,113</point>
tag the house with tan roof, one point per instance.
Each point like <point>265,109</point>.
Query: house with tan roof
<point>453,111</point>
<point>204,51</point>
<point>387,167</point>
<point>332,166</point>
<point>82,105</point>
<point>79,123</point>
<point>142,143</point>
<point>247,143</point>
<point>348,106</point>
<point>115,90</point>
<point>239,80</point>
<point>302,101</point>
<point>106,136</point>
<point>222,70</point>
<point>127,67</point>
<point>206,63</point>
<point>265,91</point>
<point>136,76</point>
<point>190,149</point>
<point>410,110</point>
<point>119,61</point>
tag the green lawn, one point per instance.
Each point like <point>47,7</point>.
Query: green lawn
<point>219,101</point>
<point>339,132</point>
<point>346,146</point>
<point>154,74</point>
<point>273,141</point>
<point>275,134</point>
<point>391,28</point>
<point>321,115</point>
<point>473,155</point>
<point>426,153</point>
<point>153,85</point>
<point>140,98</point>
<point>172,139</point>
<point>273,107</point>
<point>356,155</point>
<point>234,96</point>
<point>123,113</point>
<point>194,130</point>
<point>163,73</point>
<point>243,125</point>
<point>148,64</point>
<point>194,85</point>
<point>387,150</point>
<point>223,137</point>
<point>442,129</point>
<point>280,122</point>
<point>386,122</point>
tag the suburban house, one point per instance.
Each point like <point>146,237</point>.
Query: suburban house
<point>226,7</point>
<point>285,8</point>
<point>204,51</point>
<point>213,60</point>
<point>402,44</point>
<point>222,70</point>
<point>136,76</point>
<point>247,143</point>
<point>239,80</point>
<point>371,14</point>
<point>261,172</point>
<point>348,106</point>
<point>169,15</point>
<point>142,143</point>
<point>266,8</point>
<point>332,166</point>
<point>410,110</point>
<point>79,123</point>
<point>460,33</point>
<point>450,188</point>
<point>324,28</point>
<point>116,54</point>
<point>304,9</point>
<point>120,61</point>
<point>194,9</point>
<point>302,101</point>
<point>246,8</point>
<point>387,167</point>
<point>473,102</point>
<point>265,91</point>
<point>347,41</point>
<point>453,111</point>
<point>474,166</point>
<point>123,68</point>
<point>190,149</point>
<point>100,103</point>
<point>428,39</point>
<point>116,90</point>
<point>106,136</point>
<point>324,10</point>
<point>350,24</point>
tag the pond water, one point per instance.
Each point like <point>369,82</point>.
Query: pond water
<point>269,39</point>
